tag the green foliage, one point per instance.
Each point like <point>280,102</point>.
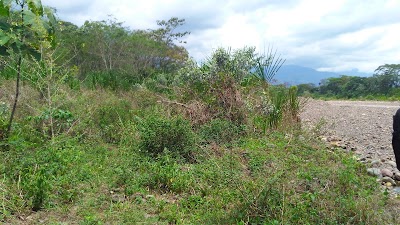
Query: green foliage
<point>384,82</point>
<point>28,33</point>
<point>112,80</point>
<point>221,131</point>
<point>306,89</point>
<point>268,65</point>
<point>111,118</point>
<point>34,20</point>
<point>47,174</point>
<point>277,107</point>
<point>3,119</point>
<point>175,135</point>
<point>93,171</point>
<point>166,175</point>
<point>110,55</point>
<point>275,201</point>
<point>52,122</point>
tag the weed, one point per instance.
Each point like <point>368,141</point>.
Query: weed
<point>221,131</point>
<point>174,135</point>
<point>111,119</point>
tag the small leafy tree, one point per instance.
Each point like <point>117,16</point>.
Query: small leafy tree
<point>25,26</point>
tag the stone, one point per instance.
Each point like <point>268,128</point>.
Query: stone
<point>393,164</point>
<point>388,180</point>
<point>374,172</point>
<point>396,190</point>
<point>149,196</point>
<point>373,162</point>
<point>386,173</point>
<point>118,198</point>
<point>397,176</point>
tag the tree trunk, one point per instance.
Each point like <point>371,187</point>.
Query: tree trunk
<point>16,96</point>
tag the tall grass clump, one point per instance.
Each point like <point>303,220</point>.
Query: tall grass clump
<point>111,119</point>
<point>159,134</point>
<point>221,131</point>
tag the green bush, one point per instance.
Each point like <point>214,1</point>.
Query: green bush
<point>166,175</point>
<point>52,122</point>
<point>47,175</point>
<point>113,80</point>
<point>221,131</point>
<point>111,119</point>
<point>175,135</point>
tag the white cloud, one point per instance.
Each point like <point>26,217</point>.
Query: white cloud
<point>329,35</point>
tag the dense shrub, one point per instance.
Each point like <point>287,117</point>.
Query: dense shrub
<point>221,131</point>
<point>175,135</point>
<point>111,119</point>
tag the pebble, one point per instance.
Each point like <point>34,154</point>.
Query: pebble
<point>373,162</point>
<point>393,164</point>
<point>397,176</point>
<point>367,129</point>
<point>388,180</point>
<point>386,173</point>
<point>374,172</point>
<point>118,198</point>
<point>149,196</point>
<point>396,190</point>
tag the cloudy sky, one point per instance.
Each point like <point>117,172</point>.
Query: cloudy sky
<point>328,35</point>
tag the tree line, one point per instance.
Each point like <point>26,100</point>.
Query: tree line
<point>385,82</point>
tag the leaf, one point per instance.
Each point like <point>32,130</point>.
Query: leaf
<point>4,38</point>
<point>32,52</point>
<point>3,51</point>
<point>52,39</point>
<point>49,12</point>
<point>16,46</point>
<point>36,7</point>
<point>29,18</point>
<point>4,10</point>
<point>5,6</point>
<point>7,2</point>
<point>4,26</point>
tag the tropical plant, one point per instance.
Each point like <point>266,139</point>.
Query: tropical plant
<point>26,28</point>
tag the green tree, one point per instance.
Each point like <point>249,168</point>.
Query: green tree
<point>111,55</point>
<point>354,87</point>
<point>385,78</point>
<point>105,44</point>
<point>306,88</point>
<point>168,35</point>
<point>26,28</point>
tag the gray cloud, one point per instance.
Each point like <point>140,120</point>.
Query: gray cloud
<point>330,35</point>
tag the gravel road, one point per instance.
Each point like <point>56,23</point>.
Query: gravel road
<point>364,127</point>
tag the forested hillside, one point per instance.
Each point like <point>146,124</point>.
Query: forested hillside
<point>107,124</point>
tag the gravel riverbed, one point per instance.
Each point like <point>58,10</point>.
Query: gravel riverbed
<point>364,127</point>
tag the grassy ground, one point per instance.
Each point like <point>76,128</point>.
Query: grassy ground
<point>96,171</point>
<point>269,180</point>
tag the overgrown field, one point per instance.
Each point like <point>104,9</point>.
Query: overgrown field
<point>100,124</point>
<point>139,157</point>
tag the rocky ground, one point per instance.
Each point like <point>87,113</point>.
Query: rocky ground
<point>364,127</point>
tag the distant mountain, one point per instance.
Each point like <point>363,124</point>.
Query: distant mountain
<point>355,72</point>
<point>294,74</point>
